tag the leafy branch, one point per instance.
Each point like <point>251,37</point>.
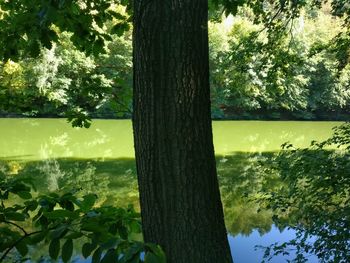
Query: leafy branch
<point>68,218</point>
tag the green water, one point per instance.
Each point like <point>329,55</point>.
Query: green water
<point>101,159</point>
<point>37,139</point>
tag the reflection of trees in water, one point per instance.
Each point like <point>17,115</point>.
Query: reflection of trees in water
<point>314,198</point>
<point>113,180</point>
<point>244,177</point>
<point>306,190</point>
<point>3,168</point>
<point>51,169</point>
<point>101,138</point>
<point>240,182</point>
<point>61,140</point>
<point>11,167</point>
<point>83,176</point>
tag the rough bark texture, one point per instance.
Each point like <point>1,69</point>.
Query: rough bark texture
<point>179,193</point>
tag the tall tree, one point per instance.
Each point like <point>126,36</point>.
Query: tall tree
<point>179,193</point>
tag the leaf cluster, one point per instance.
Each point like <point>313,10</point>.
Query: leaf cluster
<point>27,25</point>
<point>60,220</point>
<point>300,70</point>
<point>315,197</point>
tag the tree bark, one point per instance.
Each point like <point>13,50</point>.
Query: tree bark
<point>179,193</point>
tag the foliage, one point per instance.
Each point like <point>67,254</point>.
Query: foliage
<point>63,80</point>
<point>276,59</point>
<point>26,25</point>
<point>63,219</point>
<point>254,79</point>
<point>15,95</point>
<point>314,197</point>
<point>240,181</point>
<point>254,72</point>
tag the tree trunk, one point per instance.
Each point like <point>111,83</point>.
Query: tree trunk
<point>179,194</point>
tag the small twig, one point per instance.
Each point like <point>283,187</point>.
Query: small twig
<point>16,243</point>
<point>18,226</point>
<point>19,240</point>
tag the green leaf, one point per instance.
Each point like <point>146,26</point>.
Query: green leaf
<point>92,227</point>
<point>68,205</point>
<point>38,237</point>
<point>74,235</point>
<point>117,15</point>
<point>133,251</point>
<point>151,258</point>
<point>135,227</point>
<point>43,221</point>
<point>22,248</point>
<point>31,205</point>
<point>67,250</point>
<point>54,248</point>
<point>113,229</point>
<point>59,232</point>
<point>54,195</point>
<point>60,213</point>
<point>120,28</point>
<point>96,256</point>
<point>98,47</point>
<point>2,218</point>
<point>13,216</point>
<point>156,251</point>
<point>87,249</point>
<point>109,257</point>
<point>75,8</point>
<point>123,232</point>
<point>88,202</point>
<point>34,48</point>
<point>111,243</point>
<point>24,194</point>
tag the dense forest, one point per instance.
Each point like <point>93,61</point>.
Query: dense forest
<point>301,76</point>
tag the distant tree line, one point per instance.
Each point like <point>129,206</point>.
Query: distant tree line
<point>305,74</point>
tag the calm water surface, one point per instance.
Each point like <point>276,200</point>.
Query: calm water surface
<point>101,158</point>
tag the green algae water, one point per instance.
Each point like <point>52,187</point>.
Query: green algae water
<point>37,139</point>
<point>101,160</point>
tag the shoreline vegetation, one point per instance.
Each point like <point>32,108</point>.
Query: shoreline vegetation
<point>272,117</point>
<point>298,79</point>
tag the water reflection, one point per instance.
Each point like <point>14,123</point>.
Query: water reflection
<point>244,249</point>
<point>100,160</point>
<point>240,183</point>
<point>114,181</point>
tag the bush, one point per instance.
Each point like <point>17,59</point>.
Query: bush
<point>314,198</point>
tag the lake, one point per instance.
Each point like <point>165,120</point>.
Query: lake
<point>101,159</point>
